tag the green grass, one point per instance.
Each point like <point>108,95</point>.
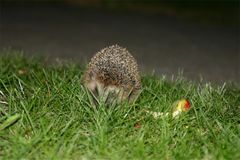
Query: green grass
<point>58,122</point>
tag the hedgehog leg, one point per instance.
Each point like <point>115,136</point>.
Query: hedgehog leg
<point>92,86</point>
<point>133,95</point>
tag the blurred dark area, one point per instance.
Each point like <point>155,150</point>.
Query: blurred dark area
<point>199,37</point>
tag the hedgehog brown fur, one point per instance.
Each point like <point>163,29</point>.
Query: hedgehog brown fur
<point>113,73</point>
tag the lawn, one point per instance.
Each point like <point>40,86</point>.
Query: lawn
<point>45,113</point>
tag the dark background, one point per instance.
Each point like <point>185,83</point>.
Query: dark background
<point>200,37</point>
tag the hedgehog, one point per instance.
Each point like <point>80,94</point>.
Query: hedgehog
<point>112,76</point>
